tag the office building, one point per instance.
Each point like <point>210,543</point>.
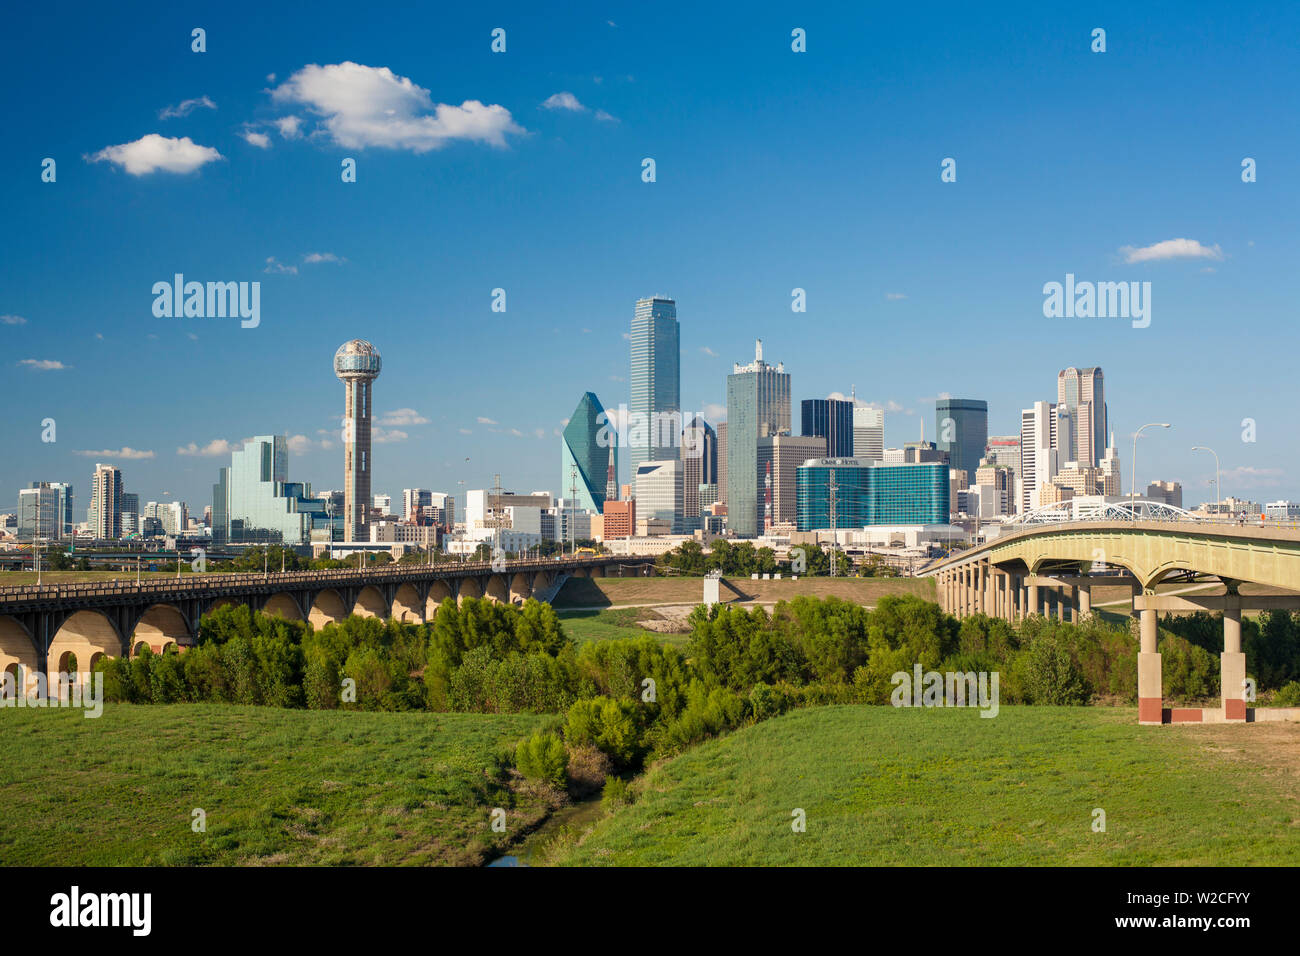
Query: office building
<point>871,494</point>
<point>1038,456</point>
<point>659,492</point>
<point>962,431</point>
<point>1170,492</point>
<point>130,513</point>
<point>1282,510</point>
<point>253,500</point>
<point>383,504</point>
<point>620,519</point>
<point>831,419</point>
<point>1080,396</point>
<point>699,469</point>
<point>758,406</point>
<point>106,503</point>
<point>413,499</point>
<point>45,511</point>
<point>655,383</point>
<point>722,463</point>
<point>586,450</point>
<point>868,433</point>
<point>357,363</point>
<point>779,458</point>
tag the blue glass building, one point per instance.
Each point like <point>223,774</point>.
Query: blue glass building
<point>655,382</point>
<point>832,419</point>
<point>868,494</point>
<point>585,450</point>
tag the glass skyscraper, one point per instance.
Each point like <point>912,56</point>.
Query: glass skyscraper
<point>758,406</point>
<point>962,431</point>
<point>832,419</point>
<point>585,449</point>
<point>655,410</point>
<point>868,494</point>
<point>254,501</point>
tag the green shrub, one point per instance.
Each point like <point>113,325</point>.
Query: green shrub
<point>1288,695</point>
<point>766,701</point>
<point>615,794</point>
<point>1049,674</point>
<point>543,757</point>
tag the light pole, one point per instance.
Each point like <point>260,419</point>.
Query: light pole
<point>1218,491</point>
<point>1132,498</point>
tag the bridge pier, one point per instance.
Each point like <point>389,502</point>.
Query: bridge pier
<point>1084,592</point>
<point>1150,692</point>
<point>1232,663</point>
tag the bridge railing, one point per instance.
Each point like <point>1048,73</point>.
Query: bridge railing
<point>219,580</point>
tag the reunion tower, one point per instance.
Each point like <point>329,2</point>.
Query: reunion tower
<point>357,364</point>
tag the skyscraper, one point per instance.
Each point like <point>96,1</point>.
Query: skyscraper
<point>1038,455</point>
<point>357,363</point>
<point>962,430</point>
<point>586,447</point>
<point>253,499</point>
<point>832,419</point>
<point>45,510</point>
<point>106,502</point>
<point>868,433</point>
<point>1081,400</point>
<point>699,467</point>
<point>656,382</point>
<point>758,406</point>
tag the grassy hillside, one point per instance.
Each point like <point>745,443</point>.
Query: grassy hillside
<point>278,786</point>
<point>946,787</point>
<point>607,592</point>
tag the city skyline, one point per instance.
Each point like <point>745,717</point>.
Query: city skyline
<point>908,294</point>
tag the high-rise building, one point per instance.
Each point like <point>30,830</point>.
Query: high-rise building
<point>130,513</point>
<point>659,492</point>
<point>413,499</point>
<point>106,502</point>
<point>699,468</point>
<point>758,406</point>
<point>586,448</point>
<point>1080,394</point>
<point>962,430</point>
<point>383,504</point>
<point>868,493</point>
<point>254,501</point>
<point>868,433</point>
<point>1170,492</point>
<point>357,363</point>
<point>655,410</point>
<point>45,510</point>
<point>722,463</point>
<point>779,458</point>
<point>831,419</point>
<point>1038,455</point>
<point>1111,485</point>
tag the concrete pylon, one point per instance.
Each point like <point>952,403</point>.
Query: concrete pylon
<point>1085,600</point>
<point>1150,693</point>
<point>1232,672</point>
<point>1032,606</point>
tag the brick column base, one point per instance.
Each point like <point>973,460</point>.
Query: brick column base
<point>1232,673</point>
<point>1150,699</point>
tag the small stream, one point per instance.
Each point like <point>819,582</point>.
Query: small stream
<point>575,817</point>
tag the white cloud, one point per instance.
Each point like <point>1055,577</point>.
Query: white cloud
<point>12,320</point>
<point>260,140</point>
<point>1248,476</point>
<point>312,258</point>
<point>708,351</point>
<point>487,421</point>
<point>290,127</point>
<point>539,432</point>
<point>301,444</point>
<point>465,431</point>
<point>372,106</point>
<point>44,365</point>
<point>151,153</point>
<point>605,117</point>
<point>1170,249</point>
<point>213,449</point>
<point>516,432</point>
<point>402,416</point>
<point>386,437</point>
<point>126,452</point>
<point>895,296</point>
<point>185,108</point>
<point>563,101</point>
<point>714,413</point>
<point>276,267</point>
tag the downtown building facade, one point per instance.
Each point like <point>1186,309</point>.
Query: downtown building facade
<point>868,433</point>
<point>962,430</point>
<point>1081,416</point>
<point>357,364</point>
<point>587,451</point>
<point>106,502</point>
<point>868,494</point>
<point>655,383</point>
<point>45,511</point>
<point>699,471</point>
<point>831,419</point>
<point>253,500</point>
<point>779,458</point>
<point>659,493</point>
<point>758,406</point>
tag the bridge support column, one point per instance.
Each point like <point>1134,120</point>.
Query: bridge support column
<point>1150,693</point>
<point>1232,672</point>
<point>965,590</point>
<point>1031,606</point>
<point>1085,601</point>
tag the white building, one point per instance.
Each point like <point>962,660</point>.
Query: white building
<point>868,433</point>
<point>1038,456</point>
<point>659,492</point>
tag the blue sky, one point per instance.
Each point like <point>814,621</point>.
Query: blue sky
<point>775,170</point>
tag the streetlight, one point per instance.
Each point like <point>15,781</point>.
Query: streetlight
<point>1132,498</point>
<point>1218,492</point>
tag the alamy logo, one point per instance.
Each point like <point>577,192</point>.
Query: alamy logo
<point>1100,300</point>
<point>213,300</point>
<point>954,689</point>
<point>70,690</point>
<point>102,909</point>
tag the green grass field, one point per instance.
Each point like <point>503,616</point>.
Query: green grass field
<point>609,624</point>
<point>946,787</point>
<point>614,592</point>
<point>290,787</point>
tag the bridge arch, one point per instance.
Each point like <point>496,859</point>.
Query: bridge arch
<point>18,654</point>
<point>283,605</point>
<point>439,591</point>
<point>520,589</point>
<point>468,588</point>
<point>407,605</point>
<point>371,603</point>
<point>82,636</point>
<point>223,602</point>
<point>326,608</point>
<point>497,589</point>
<point>159,626</point>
